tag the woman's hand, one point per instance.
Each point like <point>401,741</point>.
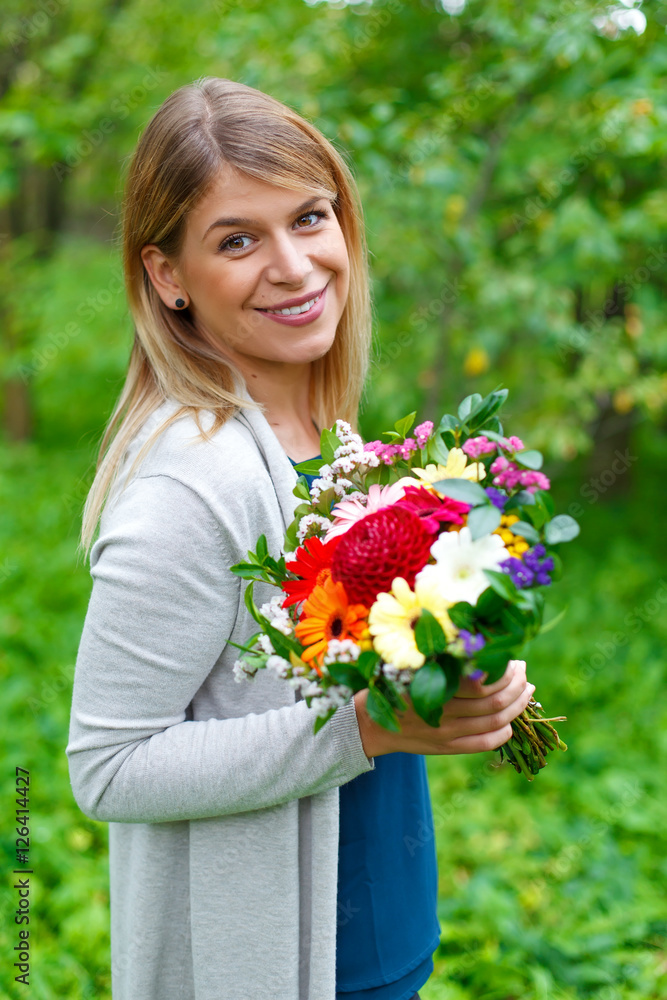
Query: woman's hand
<point>477,718</point>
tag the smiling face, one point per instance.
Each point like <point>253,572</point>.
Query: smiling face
<point>251,247</point>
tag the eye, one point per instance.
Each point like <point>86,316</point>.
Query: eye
<point>317,212</point>
<point>227,244</point>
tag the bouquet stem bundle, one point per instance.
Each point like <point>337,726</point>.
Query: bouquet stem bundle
<point>532,738</point>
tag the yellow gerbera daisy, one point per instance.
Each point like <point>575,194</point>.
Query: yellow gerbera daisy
<point>456,468</point>
<point>393,617</point>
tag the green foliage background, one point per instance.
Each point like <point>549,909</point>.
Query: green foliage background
<point>511,163</point>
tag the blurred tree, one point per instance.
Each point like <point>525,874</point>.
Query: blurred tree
<point>510,161</point>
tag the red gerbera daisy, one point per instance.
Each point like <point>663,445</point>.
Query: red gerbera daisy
<point>434,511</point>
<point>312,563</point>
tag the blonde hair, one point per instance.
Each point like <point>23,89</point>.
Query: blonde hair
<point>193,134</point>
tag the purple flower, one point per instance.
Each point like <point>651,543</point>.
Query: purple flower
<point>532,570</point>
<point>497,498</point>
<point>471,643</point>
<point>520,574</point>
<point>475,675</point>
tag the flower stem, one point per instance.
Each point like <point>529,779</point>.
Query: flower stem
<point>533,737</point>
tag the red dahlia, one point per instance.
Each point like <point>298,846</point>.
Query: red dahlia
<point>381,546</point>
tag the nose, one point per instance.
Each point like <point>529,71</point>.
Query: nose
<point>290,262</point>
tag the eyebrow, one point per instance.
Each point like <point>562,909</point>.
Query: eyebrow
<point>253,222</point>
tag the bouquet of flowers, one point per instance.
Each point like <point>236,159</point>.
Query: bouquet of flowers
<point>412,562</point>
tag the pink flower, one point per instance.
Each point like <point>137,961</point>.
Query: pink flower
<point>434,511</point>
<point>423,433</point>
<point>513,442</point>
<point>388,452</point>
<point>533,481</point>
<point>348,512</point>
<point>474,447</point>
<point>508,476</point>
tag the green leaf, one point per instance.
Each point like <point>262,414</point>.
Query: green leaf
<point>493,662</point>
<point>545,500</point>
<point>451,666</point>
<point>486,409</point>
<point>380,710</point>
<point>437,451</point>
<point>463,490</point>
<point>291,541</point>
<point>502,584</point>
<point>348,674</point>
<point>515,621</point>
<point>247,571</point>
<point>530,600</point>
<point>250,603</point>
<point>282,644</point>
<point>468,404</point>
<point>427,692</point>
<point>530,459</point>
<point>429,636</point>
<point>328,444</point>
<point>404,424</point>
<point>553,621</point>
<point>483,520</point>
<point>310,468</point>
<point>301,489</point>
<point>521,499</point>
<point>562,528</point>
<point>448,423</point>
<point>525,530</point>
<point>367,662</point>
<point>262,549</point>
<point>462,614</point>
<point>489,604</point>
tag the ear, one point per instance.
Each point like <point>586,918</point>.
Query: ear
<point>164,275</point>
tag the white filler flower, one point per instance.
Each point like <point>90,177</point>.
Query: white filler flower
<point>460,562</point>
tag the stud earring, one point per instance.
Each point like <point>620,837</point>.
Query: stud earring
<point>180,303</point>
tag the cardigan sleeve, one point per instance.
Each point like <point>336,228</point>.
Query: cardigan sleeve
<point>162,608</point>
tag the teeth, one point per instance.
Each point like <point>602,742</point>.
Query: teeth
<point>294,310</point>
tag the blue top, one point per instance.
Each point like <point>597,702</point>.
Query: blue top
<point>387,924</point>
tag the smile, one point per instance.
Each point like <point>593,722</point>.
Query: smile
<point>307,312</point>
<point>295,310</point>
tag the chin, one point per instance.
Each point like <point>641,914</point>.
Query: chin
<point>304,353</point>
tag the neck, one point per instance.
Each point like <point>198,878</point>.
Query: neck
<point>284,392</point>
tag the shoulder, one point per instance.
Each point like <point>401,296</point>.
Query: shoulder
<point>228,455</point>
<point>226,469</point>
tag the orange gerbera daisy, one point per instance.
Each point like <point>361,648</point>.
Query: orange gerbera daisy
<point>312,563</point>
<point>327,615</point>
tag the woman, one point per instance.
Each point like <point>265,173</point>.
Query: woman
<point>246,275</point>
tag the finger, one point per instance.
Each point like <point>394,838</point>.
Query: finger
<point>487,704</point>
<point>477,689</point>
<point>478,744</point>
<point>477,724</point>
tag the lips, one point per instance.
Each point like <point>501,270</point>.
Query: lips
<point>299,300</point>
<point>312,310</point>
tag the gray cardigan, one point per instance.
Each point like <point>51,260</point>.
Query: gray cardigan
<point>222,805</point>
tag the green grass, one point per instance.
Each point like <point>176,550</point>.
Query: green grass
<point>549,890</point>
